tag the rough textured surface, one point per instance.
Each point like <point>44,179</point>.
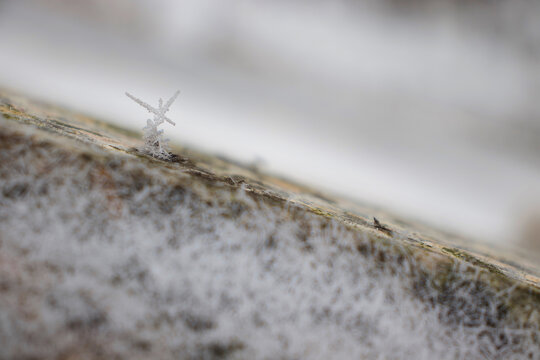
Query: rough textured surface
<point>108,253</point>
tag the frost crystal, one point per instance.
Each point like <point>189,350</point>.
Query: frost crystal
<point>154,142</point>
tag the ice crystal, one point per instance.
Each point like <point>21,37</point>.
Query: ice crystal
<point>154,142</point>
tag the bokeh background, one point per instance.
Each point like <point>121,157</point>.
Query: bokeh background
<point>427,108</point>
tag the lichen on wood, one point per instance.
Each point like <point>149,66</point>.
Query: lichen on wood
<point>106,252</point>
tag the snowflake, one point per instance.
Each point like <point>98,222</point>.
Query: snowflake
<point>154,142</point>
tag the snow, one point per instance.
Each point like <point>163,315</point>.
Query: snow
<point>154,142</point>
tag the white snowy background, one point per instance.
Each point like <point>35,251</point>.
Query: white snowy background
<point>425,108</point>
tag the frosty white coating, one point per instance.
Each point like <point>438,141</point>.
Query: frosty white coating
<point>154,142</point>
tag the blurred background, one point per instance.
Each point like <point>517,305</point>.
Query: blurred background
<point>427,108</point>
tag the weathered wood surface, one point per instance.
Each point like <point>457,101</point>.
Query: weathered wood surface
<point>106,252</point>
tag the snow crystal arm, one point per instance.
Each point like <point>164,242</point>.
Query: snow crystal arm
<point>158,112</point>
<point>168,120</point>
<point>171,100</point>
<point>143,104</point>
